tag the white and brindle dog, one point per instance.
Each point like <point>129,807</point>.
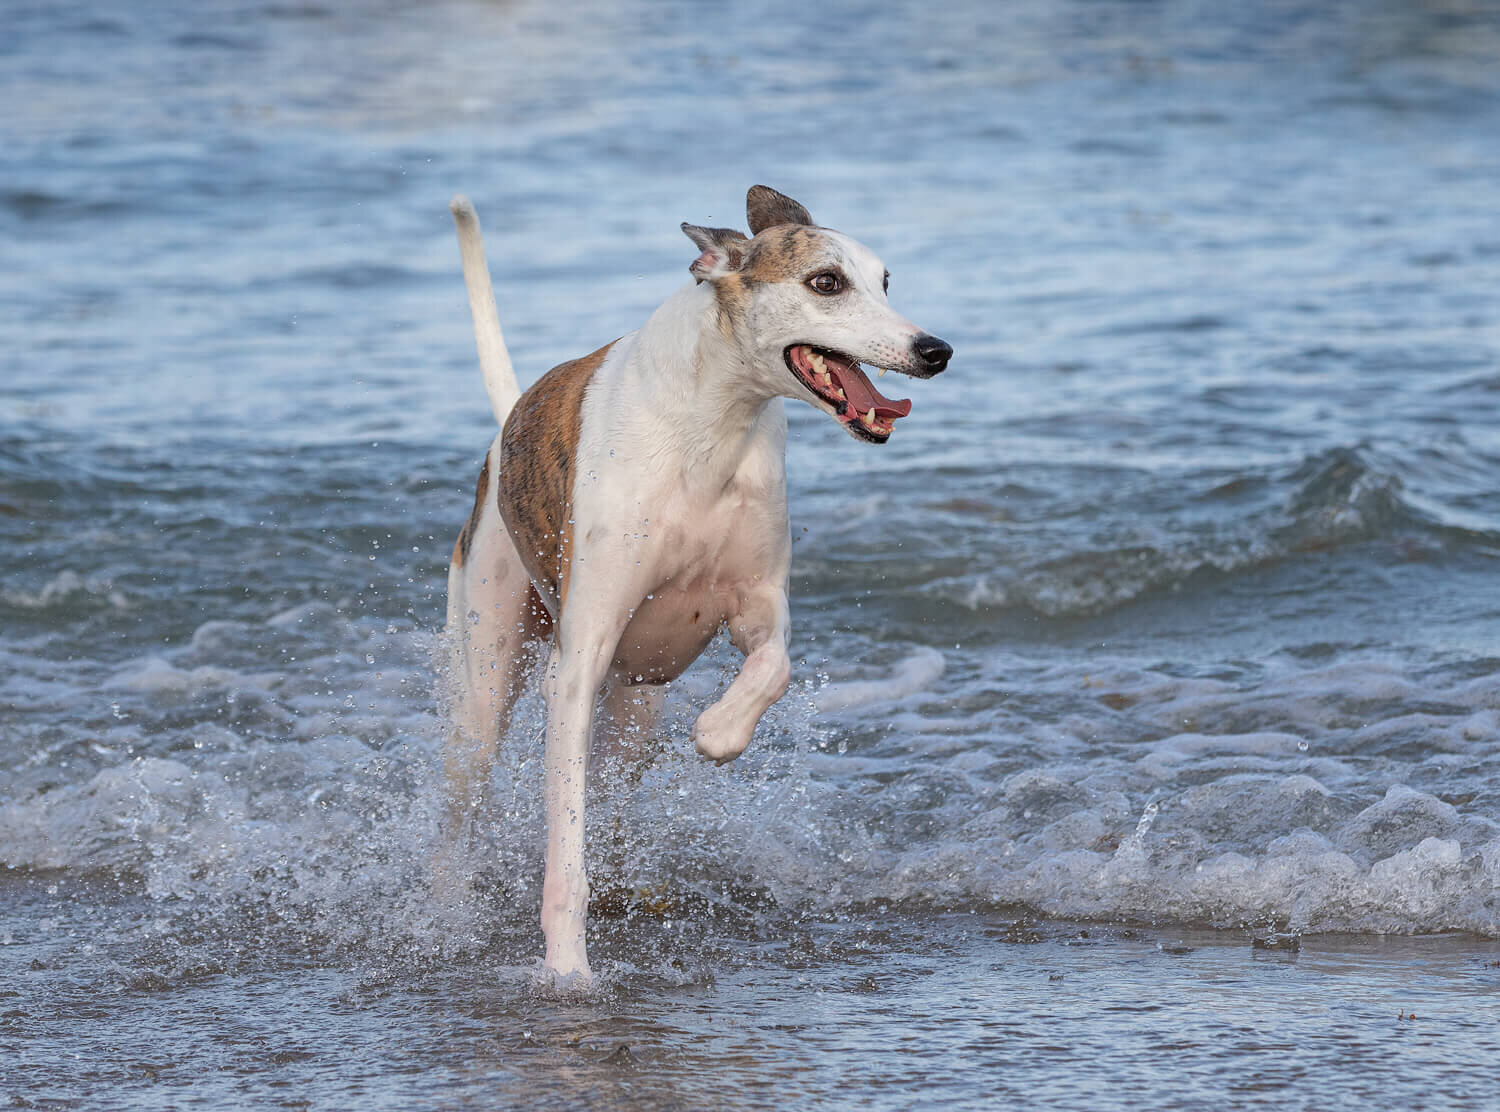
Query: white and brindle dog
<point>634,504</point>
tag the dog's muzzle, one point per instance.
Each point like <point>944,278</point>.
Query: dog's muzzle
<point>933,355</point>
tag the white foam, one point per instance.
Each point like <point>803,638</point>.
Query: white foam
<point>1144,795</point>
<point>307,616</point>
<point>131,814</point>
<point>916,672</point>
<point>156,677</point>
<point>1166,757</point>
<point>65,588</point>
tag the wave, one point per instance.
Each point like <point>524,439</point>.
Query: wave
<point>918,671</point>
<point>1332,501</point>
<point>30,205</point>
<point>342,837</point>
<point>313,814</point>
<point>67,590</point>
<point>1083,864</point>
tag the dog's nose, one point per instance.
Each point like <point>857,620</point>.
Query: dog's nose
<point>932,351</point>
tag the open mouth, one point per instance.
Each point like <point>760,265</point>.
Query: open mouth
<point>842,384</point>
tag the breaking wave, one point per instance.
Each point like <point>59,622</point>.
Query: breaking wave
<point>1331,501</point>
<point>309,811</point>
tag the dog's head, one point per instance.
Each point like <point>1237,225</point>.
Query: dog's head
<point>807,305</point>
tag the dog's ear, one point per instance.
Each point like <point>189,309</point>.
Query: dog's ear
<point>723,251</point>
<point>766,208</point>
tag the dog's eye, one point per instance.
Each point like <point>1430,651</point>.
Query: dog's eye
<point>886,282</point>
<point>827,282</point>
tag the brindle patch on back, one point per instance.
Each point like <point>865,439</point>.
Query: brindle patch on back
<point>466,534</point>
<point>538,458</point>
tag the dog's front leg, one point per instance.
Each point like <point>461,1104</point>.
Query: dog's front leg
<point>580,659</point>
<point>759,631</point>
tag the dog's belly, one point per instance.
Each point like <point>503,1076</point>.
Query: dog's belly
<point>668,631</point>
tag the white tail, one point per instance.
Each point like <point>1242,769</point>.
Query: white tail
<point>494,361</point>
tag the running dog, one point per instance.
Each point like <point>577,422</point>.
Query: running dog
<point>634,503</point>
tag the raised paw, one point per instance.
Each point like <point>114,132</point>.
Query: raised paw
<point>719,736</point>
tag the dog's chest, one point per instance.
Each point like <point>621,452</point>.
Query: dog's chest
<point>702,558</point>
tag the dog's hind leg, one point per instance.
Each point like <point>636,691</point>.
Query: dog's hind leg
<point>494,619</point>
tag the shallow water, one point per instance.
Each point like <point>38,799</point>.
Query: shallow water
<point>880,1011</point>
<point>1168,616</point>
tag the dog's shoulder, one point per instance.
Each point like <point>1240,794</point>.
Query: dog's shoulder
<point>538,458</point>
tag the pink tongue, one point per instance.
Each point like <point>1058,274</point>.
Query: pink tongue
<point>863,396</point>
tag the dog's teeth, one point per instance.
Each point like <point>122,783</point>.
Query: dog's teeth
<point>882,372</point>
<point>869,417</point>
<point>842,396</point>
<point>826,379</point>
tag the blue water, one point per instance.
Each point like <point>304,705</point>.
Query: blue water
<point>1165,625</point>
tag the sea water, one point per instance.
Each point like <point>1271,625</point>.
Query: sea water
<point>1143,745</point>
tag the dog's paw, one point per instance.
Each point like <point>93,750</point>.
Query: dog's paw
<point>719,740</point>
<point>574,979</point>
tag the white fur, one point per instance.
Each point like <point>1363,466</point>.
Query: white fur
<point>494,360</point>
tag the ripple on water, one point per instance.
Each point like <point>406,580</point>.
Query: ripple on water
<point>1171,608</point>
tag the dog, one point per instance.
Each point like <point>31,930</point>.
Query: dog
<point>634,504</point>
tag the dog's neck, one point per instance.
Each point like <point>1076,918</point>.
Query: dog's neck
<point>701,386</point>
